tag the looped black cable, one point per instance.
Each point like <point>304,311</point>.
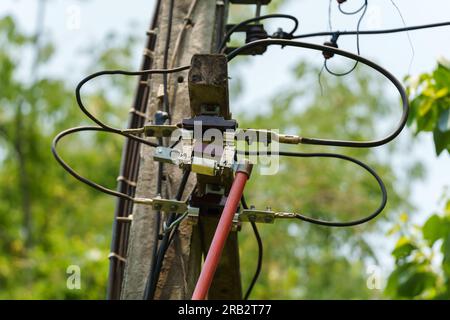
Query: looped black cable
<point>325,63</point>
<point>73,172</point>
<point>351,12</point>
<point>121,72</point>
<point>346,158</point>
<point>254,19</point>
<point>373,65</point>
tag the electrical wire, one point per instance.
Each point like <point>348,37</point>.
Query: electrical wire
<point>373,65</point>
<point>248,21</point>
<point>407,34</point>
<point>352,12</point>
<point>260,253</point>
<point>119,72</point>
<point>358,50</point>
<point>166,58</point>
<point>357,162</point>
<point>154,273</point>
<point>159,179</point>
<point>77,175</point>
<point>351,223</point>
<point>372,32</point>
<point>129,169</point>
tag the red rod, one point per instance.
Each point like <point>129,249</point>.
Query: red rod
<point>220,237</point>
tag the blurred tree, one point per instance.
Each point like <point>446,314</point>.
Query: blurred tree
<point>303,260</point>
<point>422,252</point>
<point>62,222</point>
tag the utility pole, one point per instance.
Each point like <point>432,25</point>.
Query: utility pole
<point>202,22</point>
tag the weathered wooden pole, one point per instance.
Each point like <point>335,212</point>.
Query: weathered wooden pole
<point>200,23</point>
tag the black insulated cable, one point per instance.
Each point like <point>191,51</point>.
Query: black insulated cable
<point>248,21</point>
<point>340,143</point>
<point>260,253</point>
<point>77,175</point>
<point>372,32</point>
<point>126,73</point>
<point>155,271</point>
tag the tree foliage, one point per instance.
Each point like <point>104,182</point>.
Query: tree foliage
<point>48,220</point>
<point>430,105</point>
<point>422,252</point>
<point>303,260</point>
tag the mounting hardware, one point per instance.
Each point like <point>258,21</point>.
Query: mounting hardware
<point>204,166</point>
<point>264,216</point>
<point>159,131</point>
<point>166,155</point>
<point>193,214</point>
<point>260,216</point>
<point>332,43</point>
<point>253,32</point>
<point>161,117</point>
<point>172,206</point>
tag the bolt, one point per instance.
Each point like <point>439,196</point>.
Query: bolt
<point>159,150</point>
<point>268,219</point>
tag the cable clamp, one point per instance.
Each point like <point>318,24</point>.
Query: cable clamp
<point>152,32</point>
<point>139,113</point>
<point>129,182</point>
<point>143,201</point>
<point>127,219</point>
<point>116,256</point>
<point>148,53</point>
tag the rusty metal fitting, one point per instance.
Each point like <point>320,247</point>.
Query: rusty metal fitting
<point>245,167</point>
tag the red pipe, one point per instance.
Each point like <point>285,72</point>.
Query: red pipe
<point>220,236</point>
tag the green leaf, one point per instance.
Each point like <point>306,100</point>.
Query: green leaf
<point>409,281</point>
<point>403,248</point>
<point>441,141</point>
<point>414,284</point>
<point>444,121</point>
<point>433,229</point>
<point>425,107</point>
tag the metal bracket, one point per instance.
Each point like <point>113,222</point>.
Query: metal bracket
<point>167,205</point>
<point>193,214</point>
<point>159,131</point>
<point>264,216</point>
<point>167,155</point>
<point>253,215</point>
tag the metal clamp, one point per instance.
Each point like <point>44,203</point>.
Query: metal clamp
<point>166,205</point>
<point>264,216</point>
<point>159,131</point>
<point>260,216</point>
